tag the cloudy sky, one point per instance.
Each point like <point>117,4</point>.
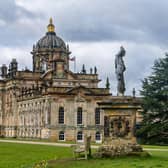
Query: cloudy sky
<point>94,30</point>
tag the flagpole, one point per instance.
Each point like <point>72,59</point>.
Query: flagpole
<point>74,60</point>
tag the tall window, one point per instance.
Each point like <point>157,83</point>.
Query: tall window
<point>98,136</point>
<point>61,136</point>
<point>61,115</point>
<point>79,115</point>
<point>80,136</point>
<point>97,116</point>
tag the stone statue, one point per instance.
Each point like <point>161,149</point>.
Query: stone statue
<point>119,70</point>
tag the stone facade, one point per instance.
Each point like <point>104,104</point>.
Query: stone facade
<point>51,102</point>
<point>119,127</point>
<point>120,117</point>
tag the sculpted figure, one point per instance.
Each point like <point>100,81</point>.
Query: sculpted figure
<point>119,70</point>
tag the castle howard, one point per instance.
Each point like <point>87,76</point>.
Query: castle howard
<point>52,102</point>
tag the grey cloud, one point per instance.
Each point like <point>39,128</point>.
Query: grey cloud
<point>142,25</point>
<point>85,20</point>
<point>12,32</point>
<point>9,11</point>
<point>141,21</point>
<point>138,60</point>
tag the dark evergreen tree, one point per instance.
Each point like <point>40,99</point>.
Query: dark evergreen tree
<point>154,128</point>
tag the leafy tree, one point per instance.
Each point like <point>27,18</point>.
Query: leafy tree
<point>154,128</point>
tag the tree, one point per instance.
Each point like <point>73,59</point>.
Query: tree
<point>155,104</point>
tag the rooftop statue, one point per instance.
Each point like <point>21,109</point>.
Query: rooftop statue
<point>119,70</point>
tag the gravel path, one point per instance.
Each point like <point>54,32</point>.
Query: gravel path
<point>67,145</point>
<point>42,143</point>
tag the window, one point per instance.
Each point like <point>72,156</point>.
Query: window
<point>97,116</point>
<point>98,136</point>
<point>79,136</point>
<point>61,115</point>
<point>61,136</point>
<point>79,115</point>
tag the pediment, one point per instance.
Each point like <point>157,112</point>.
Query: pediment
<point>80,89</point>
<point>80,93</point>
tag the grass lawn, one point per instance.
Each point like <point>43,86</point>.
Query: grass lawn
<point>158,160</point>
<point>25,155</point>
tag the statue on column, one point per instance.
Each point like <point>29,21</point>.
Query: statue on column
<point>119,70</point>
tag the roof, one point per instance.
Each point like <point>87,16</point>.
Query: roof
<point>50,40</point>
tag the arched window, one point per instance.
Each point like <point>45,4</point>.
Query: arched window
<point>97,116</point>
<point>79,115</point>
<point>61,136</point>
<point>80,136</point>
<point>98,136</point>
<point>61,115</point>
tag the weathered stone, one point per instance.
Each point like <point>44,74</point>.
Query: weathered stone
<point>117,150</point>
<point>30,101</point>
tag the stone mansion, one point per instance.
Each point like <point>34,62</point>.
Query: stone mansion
<point>50,101</point>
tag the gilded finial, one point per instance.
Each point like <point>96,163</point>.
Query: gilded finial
<point>51,27</point>
<point>51,21</point>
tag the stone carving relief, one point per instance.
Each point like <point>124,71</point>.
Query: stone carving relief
<point>117,126</point>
